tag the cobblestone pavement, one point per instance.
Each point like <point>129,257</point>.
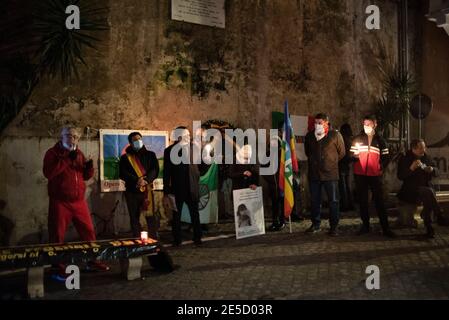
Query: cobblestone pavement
<point>286,266</point>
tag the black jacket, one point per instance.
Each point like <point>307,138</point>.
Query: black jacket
<point>182,180</point>
<point>324,155</point>
<point>127,173</point>
<point>344,165</point>
<point>412,180</point>
<point>240,181</point>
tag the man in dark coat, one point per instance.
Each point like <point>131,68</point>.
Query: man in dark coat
<point>324,148</point>
<point>277,200</point>
<point>346,203</point>
<point>244,174</point>
<point>138,192</point>
<point>181,182</point>
<point>416,170</point>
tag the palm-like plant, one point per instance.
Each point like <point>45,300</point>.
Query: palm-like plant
<point>393,107</point>
<point>61,51</point>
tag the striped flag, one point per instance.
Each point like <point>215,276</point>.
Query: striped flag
<point>288,164</point>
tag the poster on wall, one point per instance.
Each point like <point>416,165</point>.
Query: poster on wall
<point>208,204</point>
<point>205,12</point>
<point>248,213</point>
<point>113,144</point>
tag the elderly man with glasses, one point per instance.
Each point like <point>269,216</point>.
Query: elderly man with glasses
<point>66,169</point>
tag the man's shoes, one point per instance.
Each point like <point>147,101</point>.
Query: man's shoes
<point>389,234</point>
<point>279,227</point>
<point>430,232</point>
<point>58,272</point>
<point>333,232</point>
<point>312,229</point>
<point>97,266</point>
<point>59,277</point>
<point>363,230</point>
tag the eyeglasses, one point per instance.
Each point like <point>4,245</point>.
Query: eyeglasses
<point>71,136</point>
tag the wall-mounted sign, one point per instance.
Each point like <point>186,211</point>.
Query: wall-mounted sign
<point>205,12</point>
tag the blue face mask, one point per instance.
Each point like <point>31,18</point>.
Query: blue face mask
<point>137,145</point>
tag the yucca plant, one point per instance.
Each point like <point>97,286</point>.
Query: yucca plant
<point>393,107</point>
<point>387,115</point>
<point>61,50</point>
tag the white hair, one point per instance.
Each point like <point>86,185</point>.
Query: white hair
<point>67,129</point>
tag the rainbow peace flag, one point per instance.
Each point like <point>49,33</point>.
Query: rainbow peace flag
<point>288,164</point>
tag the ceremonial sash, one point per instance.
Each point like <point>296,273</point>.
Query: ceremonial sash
<point>147,207</point>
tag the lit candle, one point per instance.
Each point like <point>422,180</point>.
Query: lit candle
<point>144,237</point>
<point>357,145</point>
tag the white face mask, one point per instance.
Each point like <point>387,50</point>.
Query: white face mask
<point>319,131</point>
<point>185,140</point>
<point>368,130</point>
<point>69,147</point>
<point>137,145</point>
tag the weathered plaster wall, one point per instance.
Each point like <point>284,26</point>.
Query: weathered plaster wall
<point>316,53</point>
<point>435,83</point>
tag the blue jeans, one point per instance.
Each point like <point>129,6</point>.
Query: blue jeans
<point>331,188</point>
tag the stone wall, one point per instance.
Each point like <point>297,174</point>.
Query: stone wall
<point>153,73</point>
<point>435,84</point>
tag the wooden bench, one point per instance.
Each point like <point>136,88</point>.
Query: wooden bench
<point>34,258</point>
<point>409,212</point>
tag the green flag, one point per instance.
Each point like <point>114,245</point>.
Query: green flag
<point>208,204</point>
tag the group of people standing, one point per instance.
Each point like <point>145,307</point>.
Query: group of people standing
<point>330,153</point>
<point>326,149</point>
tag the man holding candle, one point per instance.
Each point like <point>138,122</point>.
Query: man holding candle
<point>370,154</point>
<point>138,168</point>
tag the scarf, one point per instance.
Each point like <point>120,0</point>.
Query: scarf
<point>147,207</point>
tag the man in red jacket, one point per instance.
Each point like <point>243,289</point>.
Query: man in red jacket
<point>66,169</point>
<point>370,155</point>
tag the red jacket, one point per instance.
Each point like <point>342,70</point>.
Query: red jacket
<point>66,176</point>
<point>371,159</point>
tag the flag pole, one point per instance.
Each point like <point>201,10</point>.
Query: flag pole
<point>87,141</point>
<point>290,222</point>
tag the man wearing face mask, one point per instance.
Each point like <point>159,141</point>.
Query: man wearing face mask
<point>324,148</point>
<point>66,169</point>
<point>138,168</point>
<point>370,155</point>
<point>416,170</point>
<point>181,182</point>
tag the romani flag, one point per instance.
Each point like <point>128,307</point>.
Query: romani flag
<point>288,164</point>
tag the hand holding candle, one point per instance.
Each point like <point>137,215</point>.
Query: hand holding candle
<point>144,237</point>
<point>357,149</point>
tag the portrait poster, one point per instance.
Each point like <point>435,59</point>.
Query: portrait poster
<point>248,213</point>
